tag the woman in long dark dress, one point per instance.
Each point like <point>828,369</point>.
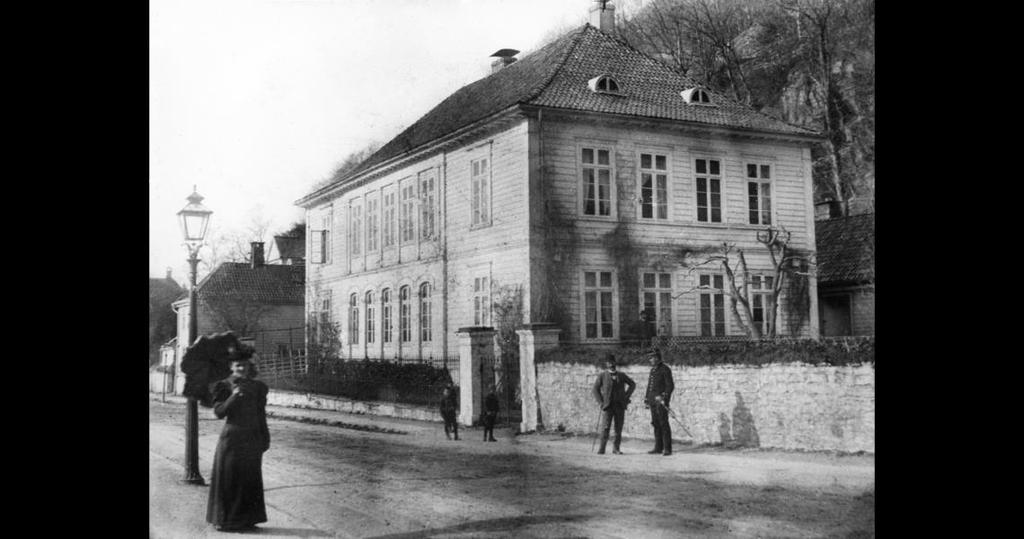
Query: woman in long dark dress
<point>236,484</point>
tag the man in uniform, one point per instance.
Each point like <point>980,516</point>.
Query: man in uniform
<point>612,390</point>
<point>659,391</point>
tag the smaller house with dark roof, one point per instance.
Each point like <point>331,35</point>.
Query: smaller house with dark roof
<point>258,301</point>
<point>846,275</point>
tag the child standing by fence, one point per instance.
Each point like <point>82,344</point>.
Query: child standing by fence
<point>448,410</point>
<point>491,408</point>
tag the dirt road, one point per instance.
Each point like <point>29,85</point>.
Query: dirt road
<point>327,481</point>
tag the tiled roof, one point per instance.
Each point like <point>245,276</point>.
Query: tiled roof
<point>271,284</point>
<point>556,76</point>
<point>846,249</point>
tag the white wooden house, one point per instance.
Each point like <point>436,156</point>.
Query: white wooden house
<point>570,176</point>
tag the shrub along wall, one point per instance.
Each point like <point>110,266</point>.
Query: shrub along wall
<point>798,395</point>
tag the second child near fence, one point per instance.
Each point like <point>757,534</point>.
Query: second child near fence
<point>490,415</point>
<point>449,408</point>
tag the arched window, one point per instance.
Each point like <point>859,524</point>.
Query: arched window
<point>353,319</point>
<point>385,303</point>
<point>603,84</point>
<point>404,315</point>
<point>370,319</point>
<point>696,96</point>
<point>425,318</point>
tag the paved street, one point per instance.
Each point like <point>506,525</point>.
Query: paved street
<point>360,480</point>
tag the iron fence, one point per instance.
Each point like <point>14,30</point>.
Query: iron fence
<point>406,381</point>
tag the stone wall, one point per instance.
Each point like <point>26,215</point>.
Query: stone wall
<point>785,406</point>
<point>293,399</point>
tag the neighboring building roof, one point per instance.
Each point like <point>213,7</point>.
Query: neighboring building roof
<point>556,76</point>
<point>290,247</point>
<point>268,284</point>
<point>166,285</point>
<point>846,249</point>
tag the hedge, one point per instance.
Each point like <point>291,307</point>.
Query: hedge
<point>740,352</point>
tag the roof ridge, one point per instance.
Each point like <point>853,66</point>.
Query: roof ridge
<point>534,92</point>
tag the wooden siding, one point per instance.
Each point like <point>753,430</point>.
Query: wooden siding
<point>561,141</point>
<point>499,249</point>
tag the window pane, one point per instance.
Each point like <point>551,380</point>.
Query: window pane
<point>751,171</point>
<point>714,167</point>
<point>590,279</point>
<point>702,166</point>
<point>645,160</point>
<point>602,157</point>
<point>606,279</point>
<point>649,279</point>
<point>764,172</point>
<point>588,155</point>
<point>705,280</point>
<point>665,280</point>
<point>660,162</point>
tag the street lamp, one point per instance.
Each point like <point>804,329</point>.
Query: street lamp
<point>194,219</point>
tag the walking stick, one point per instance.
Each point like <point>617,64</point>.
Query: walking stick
<point>673,415</point>
<point>597,430</point>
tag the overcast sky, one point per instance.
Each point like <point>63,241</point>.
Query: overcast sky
<point>253,101</point>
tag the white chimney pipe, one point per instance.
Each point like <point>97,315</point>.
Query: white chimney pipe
<point>602,16</point>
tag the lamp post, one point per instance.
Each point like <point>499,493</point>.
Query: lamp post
<point>194,219</point>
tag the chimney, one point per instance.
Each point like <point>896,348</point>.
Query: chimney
<point>504,57</point>
<point>169,278</point>
<point>257,254</point>
<point>602,16</point>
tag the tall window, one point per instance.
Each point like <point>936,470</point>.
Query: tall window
<point>657,295</point>
<point>370,319</point>
<point>597,181</point>
<point>356,226</point>
<point>385,314</point>
<point>322,315</point>
<point>404,315</point>
<point>759,194</point>
<point>407,216</point>
<point>425,318</point>
<point>480,203</point>
<point>372,226</point>
<point>427,211</point>
<point>389,218</point>
<point>712,305</point>
<point>762,301</point>
<point>653,186</point>
<point>321,240</point>
<point>481,301</point>
<point>353,318</point>
<point>597,304</point>
<point>709,190</point>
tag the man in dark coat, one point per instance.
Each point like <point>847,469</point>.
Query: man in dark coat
<point>612,390</point>
<point>659,391</point>
<point>449,408</point>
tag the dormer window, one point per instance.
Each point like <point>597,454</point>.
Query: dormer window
<point>696,96</point>
<point>603,84</point>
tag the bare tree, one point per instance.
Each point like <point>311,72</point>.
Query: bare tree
<point>237,310</point>
<point>836,38</point>
<point>348,164</point>
<point>742,284</point>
